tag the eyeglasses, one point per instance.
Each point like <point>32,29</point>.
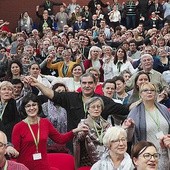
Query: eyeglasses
<point>2,144</point>
<point>148,156</point>
<point>123,140</point>
<point>31,105</point>
<point>95,106</point>
<point>95,51</point>
<point>147,90</point>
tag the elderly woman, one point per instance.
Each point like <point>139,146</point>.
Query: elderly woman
<point>63,67</point>
<point>89,146</point>
<point>108,62</point>
<point>152,119</point>
<point>9,115</point>
<point>115,140</point>
<point>94,60</point>
<point>145,156</point>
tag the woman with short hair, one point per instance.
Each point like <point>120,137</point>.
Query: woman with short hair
<point>115,140</point>
<point>88,147</point>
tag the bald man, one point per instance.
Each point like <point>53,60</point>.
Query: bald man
<point>7,164</point>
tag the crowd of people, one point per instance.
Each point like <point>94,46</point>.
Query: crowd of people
<point>92,81</point>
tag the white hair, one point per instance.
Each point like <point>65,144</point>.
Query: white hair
<point>112,134</point>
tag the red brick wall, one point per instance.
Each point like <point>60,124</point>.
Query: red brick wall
<point>11,9</point>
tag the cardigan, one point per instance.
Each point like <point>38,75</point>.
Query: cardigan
<point>59,66</point>
<point>138,115</point>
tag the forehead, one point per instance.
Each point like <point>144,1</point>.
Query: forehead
<point>109,85</point>
<point>34,66</point>
<point>14,64</point>
<point>142,76</point>
<point>146,58</point>
<point>6,86</point>
<point>87,79</point>
<point>149,86</point>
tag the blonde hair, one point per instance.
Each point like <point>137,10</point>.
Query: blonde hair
<point>149,84</point>
<point>94,48</point>
<point>7,84</point>
<point>112,134</point>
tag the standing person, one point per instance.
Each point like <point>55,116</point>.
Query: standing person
<point>131,8</point>
<point>91,144</point>
<point>93,4</point>
<point>63,67</point>
<point>48,5</point>
<point>121,62</point>
<point>94,60</point>
<point>45,20</point>
<point>114,17</point>
<point>152,119</point>
<point>61,18</point>
<point>29,136</point>
<point>4,163</point>
<point>25,23</point>
<point>74,102</point>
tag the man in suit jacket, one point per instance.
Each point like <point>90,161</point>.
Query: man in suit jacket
<point>79,24</point>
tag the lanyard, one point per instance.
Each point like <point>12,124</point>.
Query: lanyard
<point>2,113</point>
<point>48,3</point>
<point>155,119</point>
<point>100,136</point>
<point>36,140</point>
<point>5,166</point>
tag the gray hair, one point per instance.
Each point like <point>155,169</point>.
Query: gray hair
<point>6,84</point>
<point>51,47</point>
<point>112,134</point>
<point>88,75</point>
<point>146,55</point>
<point>92,100</point>
<point>96,48</point>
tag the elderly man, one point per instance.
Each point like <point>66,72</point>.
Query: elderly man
<point>7,164</point>
<point>155,76</point>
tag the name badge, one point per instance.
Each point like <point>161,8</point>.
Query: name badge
<point>159,135</point>
<point>130,9</point>
<point>61,22</point>
<point>37,156</point>
<point>49,9</point>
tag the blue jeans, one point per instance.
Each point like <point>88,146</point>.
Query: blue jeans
<point>130,21</point>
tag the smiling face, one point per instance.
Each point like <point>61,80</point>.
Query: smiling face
<point>147,63</point>
<point>77,71</point>
<point>31,108</point>
<point>144,163</point>
<point>119,146</point>
<point>95,109</point>
<point>109,90</point>
<point>15,69</point>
